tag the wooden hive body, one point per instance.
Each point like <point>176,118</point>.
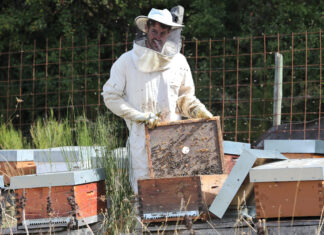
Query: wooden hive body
<point>185,148</point>
<point>289,199</point>
<point>291,188</point>
<point>174,198</point>
<point>70,203</point>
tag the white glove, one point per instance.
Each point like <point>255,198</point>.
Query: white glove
<point>201,112</point>
<point>150,119</point>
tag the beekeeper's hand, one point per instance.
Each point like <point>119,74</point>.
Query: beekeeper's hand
<point>148,118</point>
<point>201,112</point>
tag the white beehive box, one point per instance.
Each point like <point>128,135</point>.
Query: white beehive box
<point>289,170</point>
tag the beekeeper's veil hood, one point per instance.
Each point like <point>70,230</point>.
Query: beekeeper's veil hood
<point>150,60</point>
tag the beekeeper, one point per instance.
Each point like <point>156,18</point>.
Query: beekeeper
<point>151,83</point>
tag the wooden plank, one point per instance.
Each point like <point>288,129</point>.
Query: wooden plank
<point>301,230</point>
<point>148,150</point>
<point>185,148</point>
<point>234,225</point>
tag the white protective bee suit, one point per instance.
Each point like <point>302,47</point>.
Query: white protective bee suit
<point>144,82</point>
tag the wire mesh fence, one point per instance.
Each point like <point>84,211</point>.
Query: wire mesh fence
<point>234,77</point>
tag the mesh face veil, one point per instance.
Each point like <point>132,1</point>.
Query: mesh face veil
<point>170,47</point>
<point>157,42</point>
<point>153,60</point>
<point>155,35</point>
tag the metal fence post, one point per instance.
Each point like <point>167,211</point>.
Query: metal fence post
<point>277,89</point>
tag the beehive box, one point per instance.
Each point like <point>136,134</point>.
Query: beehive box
<point>296,149</point>
<point>16,162</point>
<point>232,151</point>
<point>185,148</point>
<point>65,199</point>
<point>290,188</point>
<point>176,197</point>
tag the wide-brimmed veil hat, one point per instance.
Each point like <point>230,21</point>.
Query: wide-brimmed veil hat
<point>162,16</point>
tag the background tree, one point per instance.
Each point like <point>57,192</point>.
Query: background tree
<point>31,31</point>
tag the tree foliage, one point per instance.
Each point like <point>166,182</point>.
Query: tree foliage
<point>35,19</point>
<point>83,23</point>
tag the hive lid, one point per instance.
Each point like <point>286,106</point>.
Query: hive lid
<point>17,155</point>
<point>83,150</point>
<point>237,176</point>
<point>57,178</point>
<point>56,155</point>
<point>234,148</point>
<point>69,153</point>
<point>289,170</point>
<point>295,146</point>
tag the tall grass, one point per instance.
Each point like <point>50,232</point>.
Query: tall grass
<point>83,133</point>
<point>120,217</point>
<point>105,132</point>
<point>10,138</point>
<point>48,132</point>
